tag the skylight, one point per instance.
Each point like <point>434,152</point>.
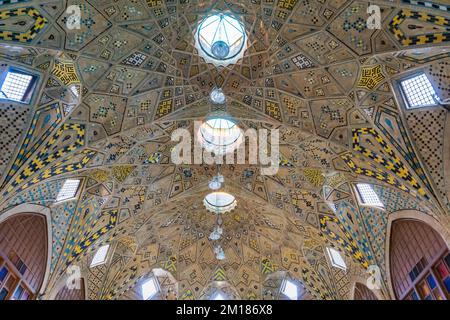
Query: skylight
<point>418,92</point>
<point>368,196</point>
<point>149,289</point>
<point>68,190</point>
<point>220,135</point>
<point>290,290</point>
<point>219,202</point>
<point>100,256</point>
<point>217,96</point>
<point>336,259</point>
<point>221,37</point>
<point>15,86</point>
<point>219,296</point>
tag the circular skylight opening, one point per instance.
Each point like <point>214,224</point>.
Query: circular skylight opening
<point>217,96</point>
<point>219,202</point>
<point>221,38</point>
<point>220,135</point>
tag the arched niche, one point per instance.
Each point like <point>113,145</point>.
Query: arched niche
<point>361,292</point>
<point>417,257</point>
<point>71,285</point>
<point>25,250</point>
<point>359,287</point>
<point>76,293</point>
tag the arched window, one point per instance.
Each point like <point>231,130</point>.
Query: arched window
<point>23,256</point>
<point>363,293</point>
<point>419,262</point>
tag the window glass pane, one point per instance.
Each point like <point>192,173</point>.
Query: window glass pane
<point>447,260</point>
<point>437,294</point>
<point>68,190</point>
<point>100,256</point>
<point>368,196</point>
<point>413,274</point>
<point>22,269</point>
<point>442,270</point>
<point>431,281</point>
<point>18,293</point>
<point>149,289</point>
<point>336,259</point>
<point>418,91</point>
<point>219,296</point>
<point>3,273</point>
<point>424,290</point>
<point>414,296</point>
<point>290,290</point>
<point>15,86</point>
<point>25,295</point>
<point>3,294</point>
<point>447,284</point>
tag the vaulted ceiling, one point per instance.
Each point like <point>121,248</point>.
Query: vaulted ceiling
<point>110,94</point>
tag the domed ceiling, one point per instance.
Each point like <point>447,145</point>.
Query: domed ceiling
<point>110,93</point>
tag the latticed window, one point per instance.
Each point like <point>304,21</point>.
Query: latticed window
<point>16,86</point>
<point>419,92</point>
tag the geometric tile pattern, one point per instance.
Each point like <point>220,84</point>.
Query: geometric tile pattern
<point>26,151</point>
<point>436,37</point>
<point>39,23</point>
<point>393,164</point>
<point>348,244</point>
<point>370,77</point>
<point>47,154</point>
<point>392,123</point>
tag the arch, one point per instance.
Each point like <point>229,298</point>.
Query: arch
<point>65,293</point>
<point>362,292</point>
<point>44,212</point>
<point>359,280</point>
<point>61,292</point>
<point>426,220</point>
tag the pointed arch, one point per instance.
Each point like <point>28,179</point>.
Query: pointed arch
<point>41,211</point>
<point>357,281</point>
<point>411,216</point>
